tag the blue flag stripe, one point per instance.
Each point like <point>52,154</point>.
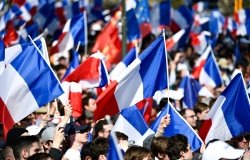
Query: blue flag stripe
<point>36,73</point>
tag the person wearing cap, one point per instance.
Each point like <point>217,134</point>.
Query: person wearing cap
<point>78,135</point>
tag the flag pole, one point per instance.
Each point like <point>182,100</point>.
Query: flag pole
<point>163,34</point>
<point>124,32</point>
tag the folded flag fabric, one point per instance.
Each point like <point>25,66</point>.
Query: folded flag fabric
<point>74,31</point>
<point>74,63</point>
<point>178,125</point>
<point>91,73</point>
<point>206,69</point>
<point>230,113</point>
<point>142,78</point>
<point>133,126</point>
<point>27,83</point>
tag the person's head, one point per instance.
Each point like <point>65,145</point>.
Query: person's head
<point>178,148</point>
<point>60,70</point>
<point>122,140</point>
<point>137,152</point>
<point>7,153</point>
<point>14,133</point>
<point>99,148</point>
<point>41,156</point>
<point>77,133</point>
<point>159,147</point>
<point>47,136</point>
<point>201,110</point>
<point>241,141</point>
<point>26,146</point>
<point>89,103</point>
<point>189,116</point>
<point>86,151</point>
<point>102,129</point>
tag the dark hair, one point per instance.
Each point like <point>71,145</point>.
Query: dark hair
<point>176,145</point>
<point>200,107</point>
<point>99,147</point>
<point>40,156</point>
<point>121,136</point>
<point>23,142</point>
<point>86,150</point>
<point>99,127</point>
<point>159,145</point>
<point>136,153</point>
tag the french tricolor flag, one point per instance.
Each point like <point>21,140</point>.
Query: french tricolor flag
<point>178,125</point>
<point>114,149</point>
<point>230,113</point>
<point>181,18</point>
<point>127,60</point>
<point>244,29</point>
<point>141,79</point>
<point>27,83</point>
<point>74,31</point>
<point>172,41</point>
<point>74,63</point>
<point>198,7</point>
<point>133,126</point>
<point>206,69</point>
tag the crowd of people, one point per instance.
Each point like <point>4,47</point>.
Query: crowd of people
<point>52,133</point>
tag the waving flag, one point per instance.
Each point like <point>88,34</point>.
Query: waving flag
<point>181,18</point>
<point>230,113</point>
<point>11,37</point>
<point>206,69</point>
<point>172,41</point>
<point>108,41</point>
<point>199,41</point>
<point>74,63</point>
<point>2,57</point>
<point>127,60</point>
<point>74,31</point>
<point>114,150</point>
<point>142,78</point>
<point>91,73</point>
<point>133,33</point>
<point>133,126</point>
<point>26,84</point>
<point>178,125</point>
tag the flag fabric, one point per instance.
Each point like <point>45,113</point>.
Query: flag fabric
<point>11,37</point>
<point>178,125</point>
<point>199,41</point>
<point>206,69</point>
<point>31,84</point>
<point>172,41</point>
<point>181,18</point>
<point>190,89</point>
<point>127,60</point>
<point>242,15</point>
<point>229,116</point>
<point>91,73</point>
<point>145,107</point>
<point>244,29</point>
<point>142,78</point>
<point>74,31</point>
<point>114,149</point>
<point>133,33</point>
<point>74,63</point>
<point>133,126</point>
<point>2,56</point>
<point>108,41</point>
<point>199,6</point>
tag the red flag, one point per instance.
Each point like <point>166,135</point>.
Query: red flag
<point>108,41</point>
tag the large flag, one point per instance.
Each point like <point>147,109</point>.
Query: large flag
<point>206,69</point>
<point>142,78</point>
<point>230,113</point>
<point>133,126</point>
<point>178,125</point>
<point>74,32</point>
<point>26,84</point>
